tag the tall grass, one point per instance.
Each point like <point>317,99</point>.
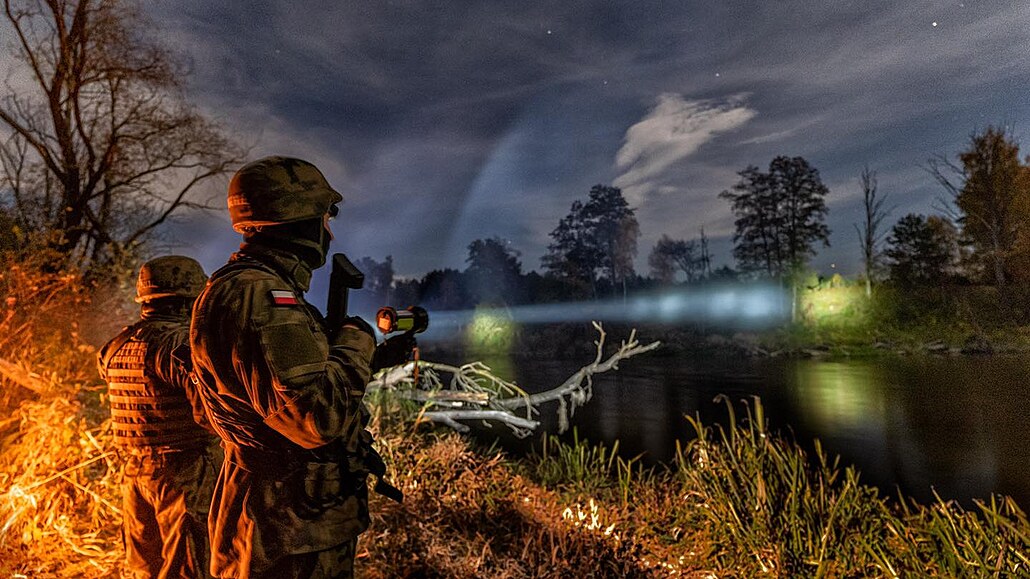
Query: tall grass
<point>583,467</point>
<point>59,475</point>
<point>946,540</point>
<point>763,500</point>
<point>770,509</point>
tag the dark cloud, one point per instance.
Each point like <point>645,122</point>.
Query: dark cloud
<point>451,121</point>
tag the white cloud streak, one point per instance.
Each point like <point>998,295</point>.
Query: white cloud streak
<point>672,131</point>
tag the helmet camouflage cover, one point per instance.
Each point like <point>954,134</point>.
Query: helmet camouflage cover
<point>278,190</point>
<point>168,276</point>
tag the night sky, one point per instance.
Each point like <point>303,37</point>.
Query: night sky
<point>443,122</point>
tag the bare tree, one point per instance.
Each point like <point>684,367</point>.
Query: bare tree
<point>706,256</point>
<point>670,255</point>
<point>870,233</point>
<point>98,146</point>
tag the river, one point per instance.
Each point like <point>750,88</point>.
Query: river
<point>960,425</point>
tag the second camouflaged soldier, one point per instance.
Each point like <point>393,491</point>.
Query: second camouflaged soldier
<point>282,390</point>
<point>171,467</point>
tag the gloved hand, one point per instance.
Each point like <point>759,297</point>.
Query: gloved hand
<point>393,352</point>
<point>356,322</point>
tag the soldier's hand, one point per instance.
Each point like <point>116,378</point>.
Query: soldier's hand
<point>358,323</point>
<point>393,352</point>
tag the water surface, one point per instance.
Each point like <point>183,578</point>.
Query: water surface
<point>960,425</point>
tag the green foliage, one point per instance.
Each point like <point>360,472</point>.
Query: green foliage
<point>670,256</point>
<point>906,318</point>
<point>946,540</point>
<point>582,467</point>
<point>923,250</point>
<point>772,509</point>
<point>831,305</point>
<point>763,500</point>
<point>994,199</point>
<point>494,271</point>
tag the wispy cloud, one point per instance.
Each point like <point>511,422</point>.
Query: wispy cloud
<point>672,131</point>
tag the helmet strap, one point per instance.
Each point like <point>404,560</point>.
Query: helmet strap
<point>169,307</point>
<point>306,239</point>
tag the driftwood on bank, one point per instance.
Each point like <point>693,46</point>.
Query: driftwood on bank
<point>475,393</point>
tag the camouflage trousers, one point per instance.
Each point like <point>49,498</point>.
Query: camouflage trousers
<point>335,563</point>
<point>165,502</point>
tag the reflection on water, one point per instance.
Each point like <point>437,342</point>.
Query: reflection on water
<point>957,425</point>
<point>917,423</point>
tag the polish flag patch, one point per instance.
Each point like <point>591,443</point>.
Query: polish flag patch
<point>284,298</point>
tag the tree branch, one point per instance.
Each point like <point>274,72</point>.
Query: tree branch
<point>475,393</point>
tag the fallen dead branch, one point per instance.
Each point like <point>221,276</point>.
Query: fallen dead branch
<point>475,393</point>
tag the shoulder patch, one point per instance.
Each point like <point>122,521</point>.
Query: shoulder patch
<point>284,298</point>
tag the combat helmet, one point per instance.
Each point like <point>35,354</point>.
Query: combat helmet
<point>169,276</point>
<point>277,190</point>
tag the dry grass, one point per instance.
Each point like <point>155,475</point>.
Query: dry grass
<point>573,511</point>
<point>59,498</point>
<point>470,515</point>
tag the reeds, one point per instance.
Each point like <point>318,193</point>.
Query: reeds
<point>582,467</point>
<point>771,509</point>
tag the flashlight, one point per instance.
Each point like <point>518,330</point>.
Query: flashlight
<point>413,320</point>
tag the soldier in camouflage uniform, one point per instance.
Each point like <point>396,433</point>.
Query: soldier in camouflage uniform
<point>282,390</point>
<point>170,473</point>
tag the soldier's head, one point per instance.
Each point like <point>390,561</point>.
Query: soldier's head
<point>171,281</point>
<point>284,201</point>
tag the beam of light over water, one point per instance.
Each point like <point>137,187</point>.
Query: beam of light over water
<point>731,306</point>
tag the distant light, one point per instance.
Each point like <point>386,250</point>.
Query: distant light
<point>934,24</point>
<point>717,74</point>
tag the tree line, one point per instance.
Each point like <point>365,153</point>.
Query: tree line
<point>99,148</point>
<point>981,235</point>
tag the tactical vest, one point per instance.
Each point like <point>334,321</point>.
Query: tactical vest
<point>147,412</point>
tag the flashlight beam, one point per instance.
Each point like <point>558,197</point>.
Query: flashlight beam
<point>727,305</point>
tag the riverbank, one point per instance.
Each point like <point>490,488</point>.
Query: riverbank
<point>839,321</point>
<point>738,502</point>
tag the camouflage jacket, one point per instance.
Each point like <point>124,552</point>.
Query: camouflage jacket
<point>287,404</point>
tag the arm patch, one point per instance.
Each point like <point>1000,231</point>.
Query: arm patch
<point>284,298</point>
<point>292,350</point>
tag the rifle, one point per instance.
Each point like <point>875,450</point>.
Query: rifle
<point>344,277</point>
